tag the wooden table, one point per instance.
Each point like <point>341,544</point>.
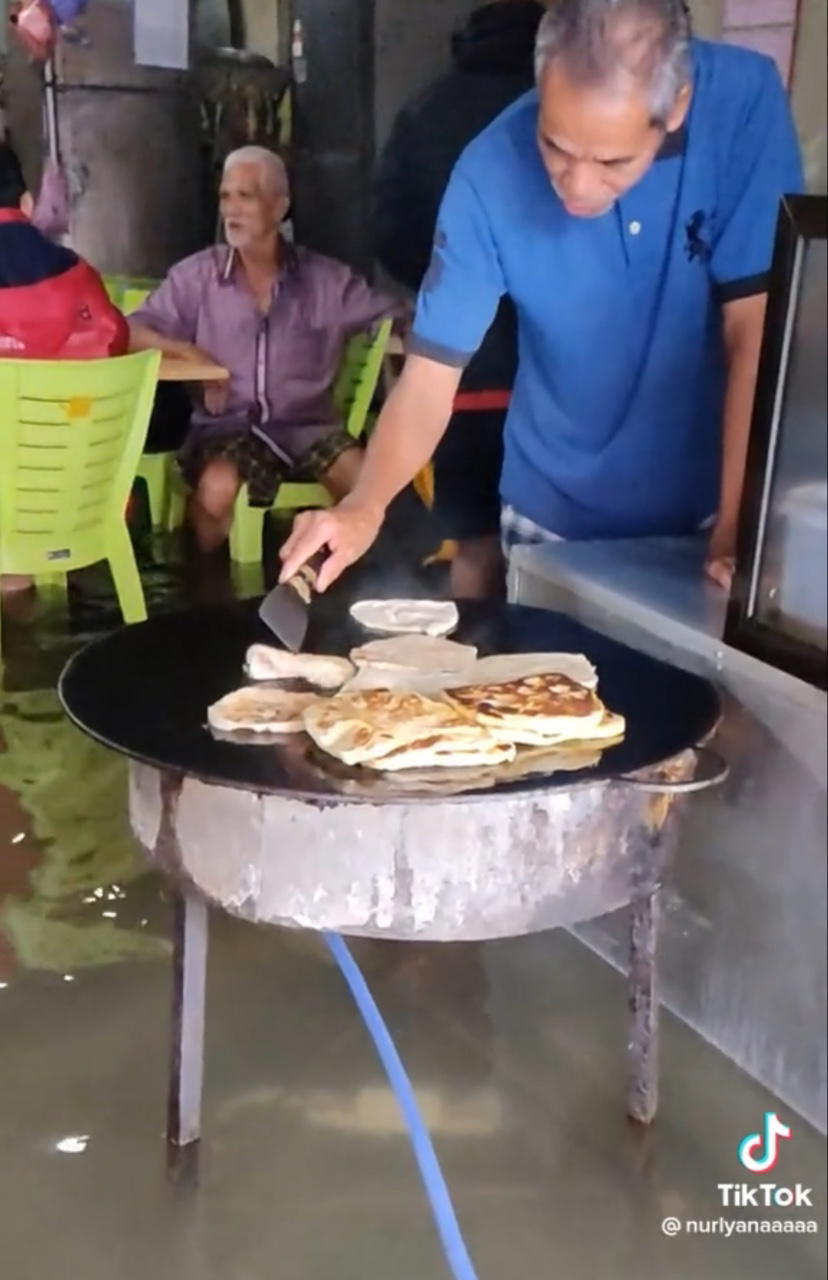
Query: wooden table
<point>176,370</point>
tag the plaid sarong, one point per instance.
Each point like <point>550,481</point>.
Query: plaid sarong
<point>262,469</point>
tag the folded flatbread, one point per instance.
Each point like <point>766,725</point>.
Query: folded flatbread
<point>259,709</point>
<point>538,711</point>
<point>450,750</point>
<point>376,669</point>
<point>501,667</point>
<point>324,671</point>
<point>360,728</point>
<point>399,617</point>
<point>527,762</point>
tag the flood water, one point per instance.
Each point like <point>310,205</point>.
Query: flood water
<point>516,1049</point>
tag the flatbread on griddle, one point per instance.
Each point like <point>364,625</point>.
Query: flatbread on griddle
<point>256,709</point>
<point>324,671</point>
<point>369,677</point>
<point>538,710</point>
<point>526,763</point>
<point>499,668</point>
<point>401,617</point>
<point>359,728</point>
<point>451,750</point>
<point>428,654</point>
<point>425,664</point>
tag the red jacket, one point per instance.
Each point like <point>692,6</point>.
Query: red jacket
<point>66,315</point>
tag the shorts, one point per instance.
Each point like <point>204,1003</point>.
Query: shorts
<point>467,467</point>
<point>262,470</point>
<point>519,531</point>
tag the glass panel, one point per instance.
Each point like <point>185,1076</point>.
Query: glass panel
<point>792,596</point>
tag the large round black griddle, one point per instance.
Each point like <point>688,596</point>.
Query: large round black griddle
<point>144,691</point>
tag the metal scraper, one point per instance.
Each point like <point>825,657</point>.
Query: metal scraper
<point>286,608</point>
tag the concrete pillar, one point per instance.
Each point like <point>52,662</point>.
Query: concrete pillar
<point>135,206</point>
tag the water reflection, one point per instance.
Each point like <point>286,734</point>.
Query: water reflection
<point>516,1051</point>
<point>67,853</point>
<point>72,794</point>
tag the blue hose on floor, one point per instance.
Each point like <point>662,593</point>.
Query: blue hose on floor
<point>454,1246</point>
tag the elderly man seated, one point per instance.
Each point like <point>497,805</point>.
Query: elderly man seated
<point>277,317</point>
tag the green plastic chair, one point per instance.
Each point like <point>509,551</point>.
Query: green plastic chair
<point>120,289</point>
<point>128,294</point>
<point>352,397</point>
<point>153,468</point>
<point>135,294</point>
<point>70,439</point>
<point>114,289</point>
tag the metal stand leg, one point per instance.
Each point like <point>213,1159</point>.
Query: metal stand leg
<point>654,848</point>
<point>187,1051</point>
<point>642,1096</point>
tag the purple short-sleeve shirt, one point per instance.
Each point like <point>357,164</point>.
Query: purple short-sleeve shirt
<point>282,365</point>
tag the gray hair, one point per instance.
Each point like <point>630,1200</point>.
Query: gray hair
<point>607,42</point>
<point>271,167</point>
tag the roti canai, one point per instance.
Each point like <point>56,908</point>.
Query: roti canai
<point>429,654</point>
<point>400,617</point>
<point>416,663</point>
<point>498,668</point>
<point>363,728</point>
<point>324,671</point>
<point>428,665</point>
<point>538,710</point>
<point>260,710</point>
<point>528,762</point>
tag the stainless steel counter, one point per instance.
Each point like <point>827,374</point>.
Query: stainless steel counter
<point>744,941</point>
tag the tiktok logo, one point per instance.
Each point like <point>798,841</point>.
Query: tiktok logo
<point>759,1152</point>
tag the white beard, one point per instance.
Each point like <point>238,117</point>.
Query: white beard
<point>237,239</point>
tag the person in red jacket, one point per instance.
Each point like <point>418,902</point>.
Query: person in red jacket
<point>53,305</point>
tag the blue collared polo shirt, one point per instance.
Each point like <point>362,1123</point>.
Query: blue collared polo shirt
<point>615,424</point>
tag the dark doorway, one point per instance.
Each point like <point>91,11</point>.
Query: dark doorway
<point>333,129</point>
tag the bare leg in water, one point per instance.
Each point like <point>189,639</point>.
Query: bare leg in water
<point>477,570</point>
<point>207,567</point>
<point>211,505</point>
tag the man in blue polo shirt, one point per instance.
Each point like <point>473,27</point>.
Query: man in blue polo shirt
<point>628,207</point>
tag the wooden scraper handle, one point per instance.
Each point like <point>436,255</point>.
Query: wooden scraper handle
<point>304,580</point>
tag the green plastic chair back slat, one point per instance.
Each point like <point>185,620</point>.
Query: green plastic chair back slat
<point>114,289</point>
<point>71,436</point>
<point>128,292</point>
<point>357,379</point>
<point>134,296</point>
